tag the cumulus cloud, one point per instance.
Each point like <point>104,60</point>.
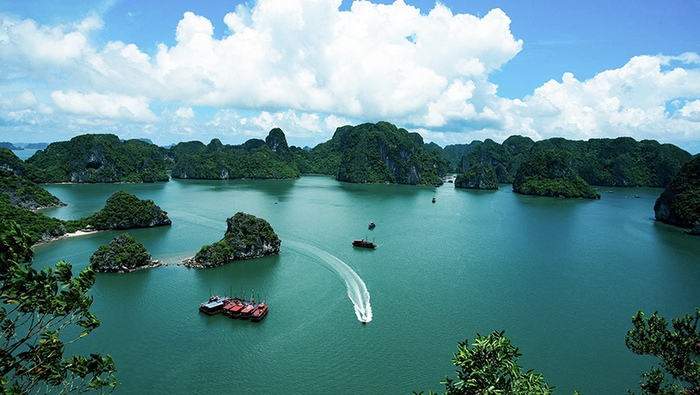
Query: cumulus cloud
<point>103,106</point>
<point>307,67</point>
<point>630,100</point>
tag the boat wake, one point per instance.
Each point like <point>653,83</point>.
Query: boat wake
<point>357,290</point>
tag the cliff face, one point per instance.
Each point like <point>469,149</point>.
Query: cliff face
<point>123,254</point>
<point>679,203</point>
<point>268,159</point>
<point>478,176</point>
<point>97,158</point>
<point>25,194</point>
<point>246,237</point>
<point>619,162</point>
<point>550,173</point>
<point>382,153</point>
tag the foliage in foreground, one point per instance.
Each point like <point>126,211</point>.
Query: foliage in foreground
<point>678,349</point>
<point>490,367</point>
<point>36,308</point>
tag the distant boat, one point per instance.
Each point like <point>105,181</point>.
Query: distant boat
<point>372,225</point>
<point>363,243</point>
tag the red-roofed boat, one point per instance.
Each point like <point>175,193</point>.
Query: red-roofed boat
<point>260,312</point>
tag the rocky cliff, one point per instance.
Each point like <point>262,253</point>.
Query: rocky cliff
<point>383,153</point>
<point>679,203</point>
<point>246,237</point>
<point>122,255</point>
<point>478,176</point>
<point>97,158</point>
<point>550,173</point>
<point>25,194</point>
<point>126,211</point>
<point>260,159</point>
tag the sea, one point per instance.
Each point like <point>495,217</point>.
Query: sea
<point>561,277</point>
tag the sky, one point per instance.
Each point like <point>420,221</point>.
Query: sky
<point>454,71</point>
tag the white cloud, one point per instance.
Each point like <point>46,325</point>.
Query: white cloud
<point>185,112</point>
<point>629,101</point>
<point>103,106</point>
<point>306,67</point>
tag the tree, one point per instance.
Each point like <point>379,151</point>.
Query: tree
<point>677,348</point>
<point>37,307</point>
<point>490,367</point>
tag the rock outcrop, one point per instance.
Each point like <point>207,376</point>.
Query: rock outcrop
<point>679,204</point>
<point>550,173</point>
<point>125,211</point>
<point>97,158</point>
<point>25,194</point>
<point>478,176</point>
<point>122,255</point>
<point>257,159</point>
<point>246,237</point>
<point>383,153</point>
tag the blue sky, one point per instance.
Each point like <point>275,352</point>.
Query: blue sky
<point>454,72</point>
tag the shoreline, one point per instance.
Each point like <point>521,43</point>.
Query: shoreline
<point>66,235</point>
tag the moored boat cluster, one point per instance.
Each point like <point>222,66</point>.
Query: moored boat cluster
<point>235,308</point>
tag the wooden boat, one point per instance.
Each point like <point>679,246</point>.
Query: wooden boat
<point>247,311</point>
<point>233,307</point>
<point>214,305</point>
<point>363,243</point>
<point>260,312</point>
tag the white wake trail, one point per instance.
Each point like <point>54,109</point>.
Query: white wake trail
<point>357,290</point>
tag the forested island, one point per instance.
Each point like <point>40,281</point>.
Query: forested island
<point>550,173</point>
<point>367,153</point>
<point>679,204</point>
<point>246,237</point>
<point>258,159</point>
<point>122,255</point>
<point>121,211</point>
<point>97,158</point>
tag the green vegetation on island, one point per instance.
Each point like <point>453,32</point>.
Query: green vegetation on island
<point>37,226</point>
<point>619,162</point>
<point>478,176</point>
<point>25,194</point>
<point>123,254</point>
<point>97,158</point>
<point>505,158</point>
<point>550,173</point>
<point>123,211</point>
<point>679,204</point>
<point>269,159</point>
<point>379,153</point>
<point>43,312</point>
<point>11,162</point>
<point>246,237</point>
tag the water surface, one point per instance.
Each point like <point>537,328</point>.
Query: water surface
<point>561,277</point>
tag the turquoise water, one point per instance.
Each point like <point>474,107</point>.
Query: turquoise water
<point>561,277</point>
